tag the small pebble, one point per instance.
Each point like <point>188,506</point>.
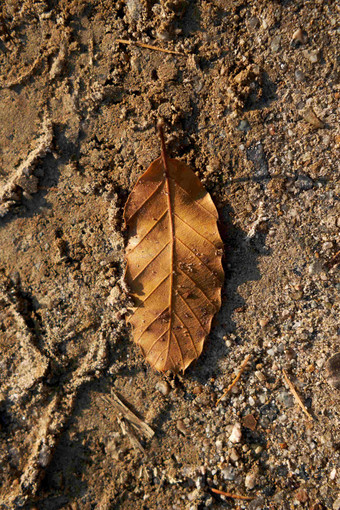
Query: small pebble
<point>236,434</point>
<point>193,495</point>
<point>299,37</point>
<point>199,482</point>
<point>228,473</point>
<point>286,398</point>
<point>301,495</point>
<point>333,370</point>
<point>219,444</point>
<point>260,376</point>
<point>275,44</point>
<point>197,390</point>
<point>328,245</point>
<point>310,117</point>
<point>234,456</point>
<point>304,182</point>
<point>315,267</point>
<point>320,362</point>
<point>243,126</point>
<point>250,480</point>
<point>181,427</point>
<point>312,56</point>
<point>135,63</point>
<point>249,422</point>
<point>163,387</point>
<point>262,398</point>
<point>44,455</point>
<point>332,475</point>
<point>299,75</point>
<point>290,353</point>
<point>264,322</point>
<point>254,22</point>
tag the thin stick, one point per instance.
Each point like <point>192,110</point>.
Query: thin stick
<point>242,368</point>
<point>231,495</point>
<point>334,260</point>
<point>150,47</point>
<point>297,398</point>
<point>136,422</point>
<point>127,430</point>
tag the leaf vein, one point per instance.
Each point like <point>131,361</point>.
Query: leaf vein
<point>154,343</point>
<point>197,287</point>
<point>188,330</point>
<point>145,201</point>
<point>201,261</point>
<point>150,261</point>
<point>178,345</point>
<point>194,314</point>
<point>193,201</point>
<point>153,290</point>
<point>148,232</point>
<point>154,320</point>
<point>159,355</point>
<point>194,230</point>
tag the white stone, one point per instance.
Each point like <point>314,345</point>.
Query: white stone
<point>236,434</point>
<point>250,481</point>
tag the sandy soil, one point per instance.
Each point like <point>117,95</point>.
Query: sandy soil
<point>250,103</point>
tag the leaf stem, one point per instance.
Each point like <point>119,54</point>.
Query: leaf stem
<point>163,146</point>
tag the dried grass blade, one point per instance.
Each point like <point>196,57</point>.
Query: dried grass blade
<point>139,424</point>
<point>231,495</point>
<point>296,395</point>
<point>232,384</point>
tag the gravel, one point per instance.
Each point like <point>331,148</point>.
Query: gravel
<point>250,103</point>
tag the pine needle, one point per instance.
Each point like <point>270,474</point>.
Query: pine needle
<point>231,495</point>
<point>296,396</point>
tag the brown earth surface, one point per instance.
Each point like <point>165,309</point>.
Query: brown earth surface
<point>250,102</point>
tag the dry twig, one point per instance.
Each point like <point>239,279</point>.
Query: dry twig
<point>242,368</point>
<point>296,396</point>
<point>138,424</point>
<point>231,495</point>
<point>334,260</point>
<point>150,47</point>
<point>128,430</point>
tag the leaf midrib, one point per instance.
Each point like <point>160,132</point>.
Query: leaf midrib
<point>172,241</point>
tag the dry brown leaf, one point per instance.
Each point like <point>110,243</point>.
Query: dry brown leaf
<point>174,269</point>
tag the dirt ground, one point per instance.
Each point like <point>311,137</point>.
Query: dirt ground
<point>250,102</point>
